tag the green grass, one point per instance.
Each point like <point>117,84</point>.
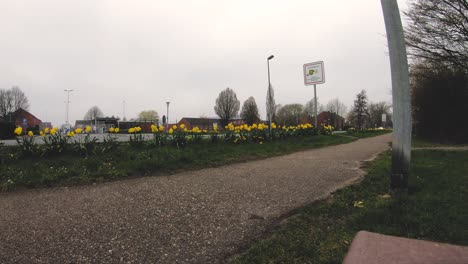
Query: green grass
<point>368,133</point>
<point>425,143</point>
<point>124,161</point>
<point>435,208</point>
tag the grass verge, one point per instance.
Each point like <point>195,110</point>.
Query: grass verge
<point>433,209</point>
<point>368,133</point>
<point>125,160</point>
<point>424,143</point>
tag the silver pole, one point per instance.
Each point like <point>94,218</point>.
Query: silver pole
<point>401,145</point>
<point>269,97</point>
<point>167,117</point>
<point>68,104</point>
<point>315,106</point>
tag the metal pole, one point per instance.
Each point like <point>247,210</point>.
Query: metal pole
<point>167,117</point>
<point>123,118</point>
<point>68,106</point>
<point>315,105</point>
<point>401,145</point>
<point>68,103</point>
<point>269,97</point>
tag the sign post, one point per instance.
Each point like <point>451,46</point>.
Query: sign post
<point>401,145</point>
<point>314,73</point>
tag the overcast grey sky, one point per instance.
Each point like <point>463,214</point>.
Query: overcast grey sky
<point>186,52</point>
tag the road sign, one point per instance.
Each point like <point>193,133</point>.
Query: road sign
<point>384,117</point>
<point>314,73</point>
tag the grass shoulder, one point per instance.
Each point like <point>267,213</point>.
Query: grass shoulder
<point>433,209</point>
<point>126,161</point>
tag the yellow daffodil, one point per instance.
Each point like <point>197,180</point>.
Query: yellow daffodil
<point>78,130</point>
<point>161,128</point>
<point>174,127</point>
<point>215,127</point>
<point>154,129</point>
<point>111,130</point>
<point>46,130</point>
<point>18,131</point>
<point>182,126</point>
<point>131,130</point>
<point>137,129</point>
<point>71,134</point>
<point>53,131</point>
<point>359,204</point>
<point>87,129</point>
<point>30,133</point>
<point>171,130</point>
<point>42,133</point>
<point>116,130</point>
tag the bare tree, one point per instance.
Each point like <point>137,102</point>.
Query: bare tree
<point>337,107</point>
<point>12,100</point>
<point>227,106</point>
<point>437,31</point>
<point>93,113</point>
<point>376,110</point>
<point>309,108</point>
<point>249,111</point>
<point>290,114</point>
<point>271,104</point>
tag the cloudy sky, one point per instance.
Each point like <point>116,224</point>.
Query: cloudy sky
<point>148,52</point>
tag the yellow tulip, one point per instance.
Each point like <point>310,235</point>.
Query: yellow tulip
<point>18,131</point>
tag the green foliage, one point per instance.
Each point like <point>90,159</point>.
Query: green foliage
<point>439,98</point>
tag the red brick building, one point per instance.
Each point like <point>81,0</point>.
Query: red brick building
<point>329,118</point>
<point>23,119</point>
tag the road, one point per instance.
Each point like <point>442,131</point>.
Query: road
<point>200,216</point>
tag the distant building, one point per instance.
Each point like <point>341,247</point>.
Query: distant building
<point>328,118</point>
<point>45,125</point>
<point>102,124</point>
<point>206,123</point>
<point>23,118</point>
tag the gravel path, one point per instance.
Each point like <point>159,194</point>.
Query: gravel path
<point>193,217</point>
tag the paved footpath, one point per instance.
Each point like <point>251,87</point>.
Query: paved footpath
<point>193,217</point>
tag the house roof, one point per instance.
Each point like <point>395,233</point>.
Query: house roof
<point>21,110</point>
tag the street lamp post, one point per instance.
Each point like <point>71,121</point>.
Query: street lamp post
<point>269,93</point>
<point>68,103</point>
<point>167,116</point>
